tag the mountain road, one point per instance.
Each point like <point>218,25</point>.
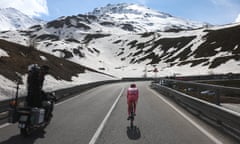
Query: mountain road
<point>99,116</point>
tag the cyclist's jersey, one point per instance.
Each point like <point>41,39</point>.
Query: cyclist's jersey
<point>132,94</point>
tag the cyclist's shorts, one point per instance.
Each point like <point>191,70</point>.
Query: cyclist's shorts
<point>132,99</point>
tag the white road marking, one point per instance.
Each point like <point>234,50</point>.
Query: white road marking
<point>209,135</point>
<point>4,125</point>
<point>100,128</point>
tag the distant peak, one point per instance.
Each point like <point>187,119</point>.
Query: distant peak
<point>125,8</point>
<point>12,19</point>
<point>141,18</point>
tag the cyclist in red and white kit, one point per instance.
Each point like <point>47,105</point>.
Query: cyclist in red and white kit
<point>132,98</point>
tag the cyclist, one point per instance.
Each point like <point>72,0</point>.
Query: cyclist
<point>132,98</point>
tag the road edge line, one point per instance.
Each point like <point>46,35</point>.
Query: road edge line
<point>205,132</point>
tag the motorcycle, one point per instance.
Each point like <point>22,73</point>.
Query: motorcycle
<point>30,119</point>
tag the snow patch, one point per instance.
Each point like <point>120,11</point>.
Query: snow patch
<point>8,88</point>
<point>3,53</point>
<point>43,58</point>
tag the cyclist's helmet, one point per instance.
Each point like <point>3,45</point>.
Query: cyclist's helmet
<point>133,85</point>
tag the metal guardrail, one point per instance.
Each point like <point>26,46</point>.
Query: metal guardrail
<point>226,119</point>
<point>202,85</point>
<point>68,92</point>
<point>198,87</point>
<point>210,77</point>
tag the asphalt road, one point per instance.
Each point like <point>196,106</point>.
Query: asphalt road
<point>100,116</point>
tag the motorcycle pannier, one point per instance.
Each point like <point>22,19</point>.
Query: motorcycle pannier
<point>37,115</point>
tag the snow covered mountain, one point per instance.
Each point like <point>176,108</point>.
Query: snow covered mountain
<point>121,18</point>
<point>133,17</point>
<point>126,46</point>
<point>120,41</point>
<point>12,19</point>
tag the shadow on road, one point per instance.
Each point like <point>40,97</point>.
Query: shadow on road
<point>133,133</point>
<point>18,139</point>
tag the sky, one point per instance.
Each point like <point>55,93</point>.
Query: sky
<point>217,12</point>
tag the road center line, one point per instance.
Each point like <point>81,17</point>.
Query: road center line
<point>209,135</point>
<point>100,128</point>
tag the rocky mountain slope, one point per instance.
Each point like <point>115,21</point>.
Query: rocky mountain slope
<point>15,59</point>
<point>124,40</point>
<point>116,40</point>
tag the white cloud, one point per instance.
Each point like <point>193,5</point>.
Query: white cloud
<point>238,18</point>
<point>28,7</point>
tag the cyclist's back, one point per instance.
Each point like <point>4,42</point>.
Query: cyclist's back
<point>132,93</point>
<point>132,97</point>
